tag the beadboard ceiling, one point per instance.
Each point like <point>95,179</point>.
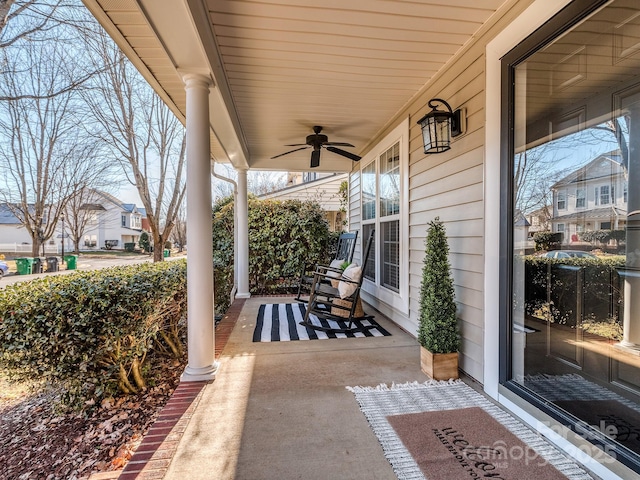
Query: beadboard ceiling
<point>281,67</point>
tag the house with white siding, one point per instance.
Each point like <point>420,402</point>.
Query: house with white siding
<point>111,223</point>
<point>323,188</point>
<point>543,87</point>
<point>11,229</point>
<point>593,197</point>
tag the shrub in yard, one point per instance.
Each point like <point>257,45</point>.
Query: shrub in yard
<point>547,240</point>
<point>284,236</point>
<point>553,288</point>
<point>90,332</point>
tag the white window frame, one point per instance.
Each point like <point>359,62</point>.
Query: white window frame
<point>561,197</point>
<point>582,197</point>
<point>610,194</point>
<point>399,301</point>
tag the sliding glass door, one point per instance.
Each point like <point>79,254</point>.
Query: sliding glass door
<point>571,221</point>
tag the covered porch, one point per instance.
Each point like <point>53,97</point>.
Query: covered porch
<point>252,81</point>
<point>280,410</point>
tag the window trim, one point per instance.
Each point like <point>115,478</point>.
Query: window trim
<point>399,301</point>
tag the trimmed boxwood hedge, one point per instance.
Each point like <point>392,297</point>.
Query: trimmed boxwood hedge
<point>285,236</point>
<point>553,288</point>
<point>90,332</point>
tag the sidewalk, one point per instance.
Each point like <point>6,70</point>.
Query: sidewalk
<point>281,411</point>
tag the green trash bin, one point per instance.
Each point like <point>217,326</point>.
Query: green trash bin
<point>166,252</point>
<point>24,265</point>
<point>71,260</point>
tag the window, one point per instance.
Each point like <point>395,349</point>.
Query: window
<point>309,176</point>
<point>605,225</point>
<point>581,197</point>
<point>604,195</point>
<point>384,208</point>
<point>387,184</point>
<point>562,201</point>
<point>123,221</point>
<point>560,228</point>
<point>390,255</point>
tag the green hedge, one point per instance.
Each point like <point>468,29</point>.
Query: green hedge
<point>557,289</point>
<point>284,237</point>
<point>90,332</point>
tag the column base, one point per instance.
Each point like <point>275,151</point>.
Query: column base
<point>628,347</point>
<point>243,295</point>
<point>201,374</point>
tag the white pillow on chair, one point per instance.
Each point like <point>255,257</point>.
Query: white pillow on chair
<point>330,273</point>
<point>353,273</point>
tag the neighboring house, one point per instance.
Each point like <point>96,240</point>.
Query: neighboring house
<point>11,229</point>
<point>539,220</point>
<point>323,188</point>
<point>145,220</point>
<point>593,197</point>
<point>112,223</point>
<point>526,73</point>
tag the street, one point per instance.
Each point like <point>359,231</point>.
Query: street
<point>85,262</point>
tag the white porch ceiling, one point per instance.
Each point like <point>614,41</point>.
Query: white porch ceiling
<point>281,67</point>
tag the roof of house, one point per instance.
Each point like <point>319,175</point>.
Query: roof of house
<point>606,212</point>
<point>585,173</point>
<point>7,217</point>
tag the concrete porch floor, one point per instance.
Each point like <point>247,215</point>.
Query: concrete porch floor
<point>281,411</point>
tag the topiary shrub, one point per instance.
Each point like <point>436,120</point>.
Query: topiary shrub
<point>438,325</point>
<point>91,332</point>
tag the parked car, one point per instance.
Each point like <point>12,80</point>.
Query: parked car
<point>4,268</point>
<point>569,254</point>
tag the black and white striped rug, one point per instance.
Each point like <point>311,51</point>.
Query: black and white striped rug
<point>280,322</point>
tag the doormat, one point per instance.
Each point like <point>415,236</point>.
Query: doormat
<point>490,441</point>
<point>280,322</point>
<point>603,409</point>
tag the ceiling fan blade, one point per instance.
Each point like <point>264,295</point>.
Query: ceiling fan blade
<point>315,158</point>
<point>339,144</point>
<point>290,151</point>
<point>344,153</point>
<point>296,145</point>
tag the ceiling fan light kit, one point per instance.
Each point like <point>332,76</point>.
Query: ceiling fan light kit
<point>439,127</point>
<point>318,141</point>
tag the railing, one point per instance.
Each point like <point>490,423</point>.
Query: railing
<point>27,247</point>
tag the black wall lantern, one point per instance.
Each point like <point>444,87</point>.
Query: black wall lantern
<point>439,127</point>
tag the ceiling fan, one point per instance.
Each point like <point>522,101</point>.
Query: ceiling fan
<point>318,141</point>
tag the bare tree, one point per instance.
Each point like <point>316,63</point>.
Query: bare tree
<point>44,152</point>
<point>260,182</point>
<point>144,136</point>
<point>31,15</point>
<point>179,233</point>
<point>80,213</point>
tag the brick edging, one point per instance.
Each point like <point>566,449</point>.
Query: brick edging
<point>152,457</point>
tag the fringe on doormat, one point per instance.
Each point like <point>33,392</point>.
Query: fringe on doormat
<point>404,386</point>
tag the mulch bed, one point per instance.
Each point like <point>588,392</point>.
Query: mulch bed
<point>37,440</point>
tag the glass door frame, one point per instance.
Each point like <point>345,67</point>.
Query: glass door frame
<point>564,20</point>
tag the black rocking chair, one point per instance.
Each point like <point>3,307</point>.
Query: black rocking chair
<point>344,251</point>
<point>326,303</point>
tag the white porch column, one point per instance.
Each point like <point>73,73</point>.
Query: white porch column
<point>200,320</point>
<point>243,236</point>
